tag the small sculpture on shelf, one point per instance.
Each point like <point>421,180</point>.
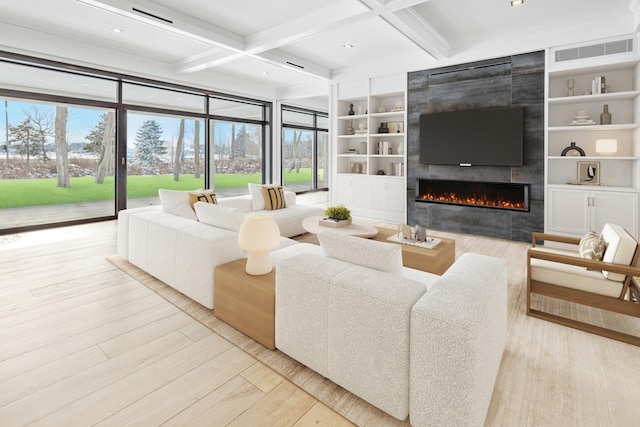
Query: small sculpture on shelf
<point>570,85</point>
<point>573,150</point>
<point>351,112</point>
<point>350,128</point>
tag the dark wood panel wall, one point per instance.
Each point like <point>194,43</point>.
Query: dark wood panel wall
<point>501,82</point>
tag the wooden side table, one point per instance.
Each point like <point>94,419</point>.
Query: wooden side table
<point>246,302</point>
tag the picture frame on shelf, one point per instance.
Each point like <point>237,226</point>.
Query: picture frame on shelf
<point>395,127</point>
<point>589,173</point>
<point>357,167</point>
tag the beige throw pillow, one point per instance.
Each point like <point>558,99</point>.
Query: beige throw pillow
<point>273,197</point>
<point>591,246</point>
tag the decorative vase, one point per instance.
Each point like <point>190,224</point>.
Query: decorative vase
<point>383,128</point>
<point>570,84</point>
<point>574,149</point>
<point>350,129</point>
<point>351,112</point>
<point>605,117</point>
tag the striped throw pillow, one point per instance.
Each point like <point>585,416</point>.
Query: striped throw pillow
<point>273,197</point>
<point>206,196</point>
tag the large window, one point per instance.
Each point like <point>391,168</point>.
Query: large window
<point>304,149</point>
<point>55,157</point>
<point>80,144</point>
<point>163,152</point>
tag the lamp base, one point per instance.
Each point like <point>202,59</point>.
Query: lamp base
<point>258,263</point>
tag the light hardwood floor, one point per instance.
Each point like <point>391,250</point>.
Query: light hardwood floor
<point>82,343</point>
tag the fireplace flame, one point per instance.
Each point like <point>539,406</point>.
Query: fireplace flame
<point>472,200</point>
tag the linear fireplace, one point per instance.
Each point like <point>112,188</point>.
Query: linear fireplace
<point>496,195</point>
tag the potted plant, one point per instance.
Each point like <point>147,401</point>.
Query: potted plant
<point>336,216</point>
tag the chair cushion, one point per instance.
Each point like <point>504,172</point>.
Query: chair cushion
<point>573,276</point>
<point>619,248</point>
<point>591,246</point>
<point>357,250</point>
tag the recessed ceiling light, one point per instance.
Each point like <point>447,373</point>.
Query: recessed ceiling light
<point>347,45</point>
<point>266,73</point>
<point>117,30</point>
<point>516,2</point>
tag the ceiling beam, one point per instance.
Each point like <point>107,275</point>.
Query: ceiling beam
<point>170,20</point>
<point>321,20</point>
<point>395,5</point>
<point>634,7</point>
<point>412,26</point>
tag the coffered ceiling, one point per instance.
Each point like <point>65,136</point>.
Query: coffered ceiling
<point>293,48</point>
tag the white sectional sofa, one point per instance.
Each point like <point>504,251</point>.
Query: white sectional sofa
<point>408,342</point>
<point>170,243</point>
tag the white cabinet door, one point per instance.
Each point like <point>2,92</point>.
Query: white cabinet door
<point>386,194</point>
<point>615,207</point>
<point>568,211</point>
<point>351,191</point>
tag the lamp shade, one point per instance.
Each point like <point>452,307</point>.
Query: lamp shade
<point>258,235</point>
<point>606,146</point>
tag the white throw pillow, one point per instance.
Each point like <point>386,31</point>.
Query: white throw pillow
<point>257,199</point>
<point>185,211</point>
<point>172,199</point>
<point>357,250</point>
<point>219,216</point>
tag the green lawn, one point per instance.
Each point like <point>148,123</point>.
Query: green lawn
<point>36,192</point>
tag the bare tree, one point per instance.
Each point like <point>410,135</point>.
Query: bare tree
<point>41,119</point>
<point>196,150</point>
<point>295,161</point>
<point>62,155</point>
<point>178,157</point>
<point>106,151</point>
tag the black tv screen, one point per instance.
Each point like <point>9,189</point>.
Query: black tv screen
<point>484,137</point>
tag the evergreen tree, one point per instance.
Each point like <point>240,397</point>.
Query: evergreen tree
<point>149,146</point>
<point>25,137</point>
<point>94,138</point>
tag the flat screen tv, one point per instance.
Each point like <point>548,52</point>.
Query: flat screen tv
<point>483,137</point>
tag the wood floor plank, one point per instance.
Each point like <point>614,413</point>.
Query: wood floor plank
<point>44,354</point>
<point>219,407</point>
<point>118,393</point>
<point>178,395</point>
<point>321,416</point>
<point>40,377</point>
<point>282,406</point>
<point>63,393</point>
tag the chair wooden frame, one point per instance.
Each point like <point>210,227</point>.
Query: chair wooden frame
<point>623,304</point>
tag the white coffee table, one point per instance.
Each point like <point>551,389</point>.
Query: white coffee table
<point>356,228</point>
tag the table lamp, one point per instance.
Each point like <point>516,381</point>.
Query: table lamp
<point>606,146</point>
<point>258,235</point>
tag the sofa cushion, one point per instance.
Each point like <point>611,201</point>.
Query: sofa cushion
<point>185,210</point>
<point>172,199</point>
<point>257,199</point>
<point>206,196</point>
<point>356,250</point>
<point>591,246</point>
<point>273,197</point>
<point>619,248</point>
<point>219,216</point>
